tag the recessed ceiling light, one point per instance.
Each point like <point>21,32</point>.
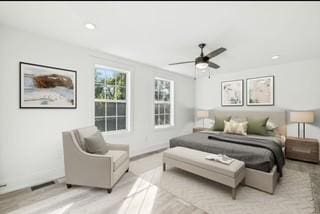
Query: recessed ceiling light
<point>275,57</point>
<point>90,26</point>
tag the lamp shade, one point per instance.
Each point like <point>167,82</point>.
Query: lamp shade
<point>202,114</point>
<point>302,116</point>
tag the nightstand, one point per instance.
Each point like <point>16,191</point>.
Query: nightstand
<point>302,149</point>
<point>199,129</point>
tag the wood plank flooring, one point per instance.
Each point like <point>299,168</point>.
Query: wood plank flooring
<point>132,195</point>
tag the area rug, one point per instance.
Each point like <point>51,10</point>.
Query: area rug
<point>293,194</point>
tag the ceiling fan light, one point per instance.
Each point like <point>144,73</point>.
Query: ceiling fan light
<point>202,65</point>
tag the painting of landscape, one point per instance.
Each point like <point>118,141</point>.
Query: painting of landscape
<point>47,87</point>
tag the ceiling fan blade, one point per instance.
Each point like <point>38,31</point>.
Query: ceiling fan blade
<point>213,65</point>
<point>216,52</point>
<point>178,63</point>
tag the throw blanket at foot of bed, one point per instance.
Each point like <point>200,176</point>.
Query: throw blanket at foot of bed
<point>255,155</point>
<point>262,143</point>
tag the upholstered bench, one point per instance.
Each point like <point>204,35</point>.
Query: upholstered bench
<point>195,161</point>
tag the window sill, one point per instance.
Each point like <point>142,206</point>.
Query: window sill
<point>159,128</point>
<point>117,132</point>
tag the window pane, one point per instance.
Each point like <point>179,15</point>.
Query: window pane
<point>121,108</point>
<point>110,91</point>
<point>100,108</point>
<point>160,84</point>
<point>156,108</point>
<point>156,120</point>
<point>156,95</point>
<point>167,119</point>
<point>161,108</point>
<point>100,92</point>
<point>161,119</point>
<point>165,94</point>
<point>110,77</point>
<point>121,123</point>
<point>121,79</point>
<point>111,124</point>
<point>100,124</point>
<point>165,91</point>
<point>100,76</point>
<point>120,93</point>
<point>156,85</point>
<point>167,85</point>
<point>167,108</point>
<point>111,109</point>
<point>161,95</point>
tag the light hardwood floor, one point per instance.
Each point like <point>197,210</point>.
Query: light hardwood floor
<point>133,194</point>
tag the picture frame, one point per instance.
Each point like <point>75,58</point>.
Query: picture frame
<point>260,91</point>
<point>232,93</point>
<point>46,87</point>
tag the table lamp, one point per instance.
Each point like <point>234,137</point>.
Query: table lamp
<point>202,114</point>
<point>302,117</point>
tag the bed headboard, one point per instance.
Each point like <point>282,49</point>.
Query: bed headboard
<point>278,116</point>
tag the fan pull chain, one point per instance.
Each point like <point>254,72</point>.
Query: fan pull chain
<point>195,73</point>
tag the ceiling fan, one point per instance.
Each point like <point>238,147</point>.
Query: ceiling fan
<point>202,61</point>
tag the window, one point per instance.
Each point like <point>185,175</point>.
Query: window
<point>163,103</point>
<point>111,99</point>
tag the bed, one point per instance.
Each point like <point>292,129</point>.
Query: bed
<point>263,164</point>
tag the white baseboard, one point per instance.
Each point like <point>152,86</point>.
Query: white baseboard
<point>152,148</point>
<point>31,180</point>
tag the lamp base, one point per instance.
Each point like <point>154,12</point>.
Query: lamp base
<point>303,131</point>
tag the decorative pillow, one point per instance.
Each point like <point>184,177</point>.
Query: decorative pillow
<point>257,126</point>
<point>271,125</point>
<point>95,144</point>
<point>219,122</point>
<point>234,127</point>
<point>84,132</point>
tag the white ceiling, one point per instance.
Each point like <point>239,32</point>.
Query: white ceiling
<point>165,32</point>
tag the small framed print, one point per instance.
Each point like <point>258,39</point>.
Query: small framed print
<point>232,93</point>
<point>47,87</point>
<point>260,91</point>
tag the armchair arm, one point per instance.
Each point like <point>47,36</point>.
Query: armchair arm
<point>121,147</point>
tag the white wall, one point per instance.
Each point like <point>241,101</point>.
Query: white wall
<point>30,139</point>
<point>297,87</point>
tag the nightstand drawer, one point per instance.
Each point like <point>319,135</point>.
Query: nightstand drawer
<point>301,149</point>
<point>312,157</point>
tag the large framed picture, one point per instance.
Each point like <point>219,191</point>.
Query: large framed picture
<point>260,91</point>
<point>47,87</point>
<point>232,93</point>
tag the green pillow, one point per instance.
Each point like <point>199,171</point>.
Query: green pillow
<point>219,122</point>
<point>258,126</point>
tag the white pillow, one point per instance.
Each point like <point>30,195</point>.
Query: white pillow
<point>271,125</point>
<point>234,127</point>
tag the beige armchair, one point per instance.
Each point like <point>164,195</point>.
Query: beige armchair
<point>85,169</point>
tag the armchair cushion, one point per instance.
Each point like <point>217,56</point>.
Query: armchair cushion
<point>84,132</point>
<point>95,144</point>
<point>118,157</point>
